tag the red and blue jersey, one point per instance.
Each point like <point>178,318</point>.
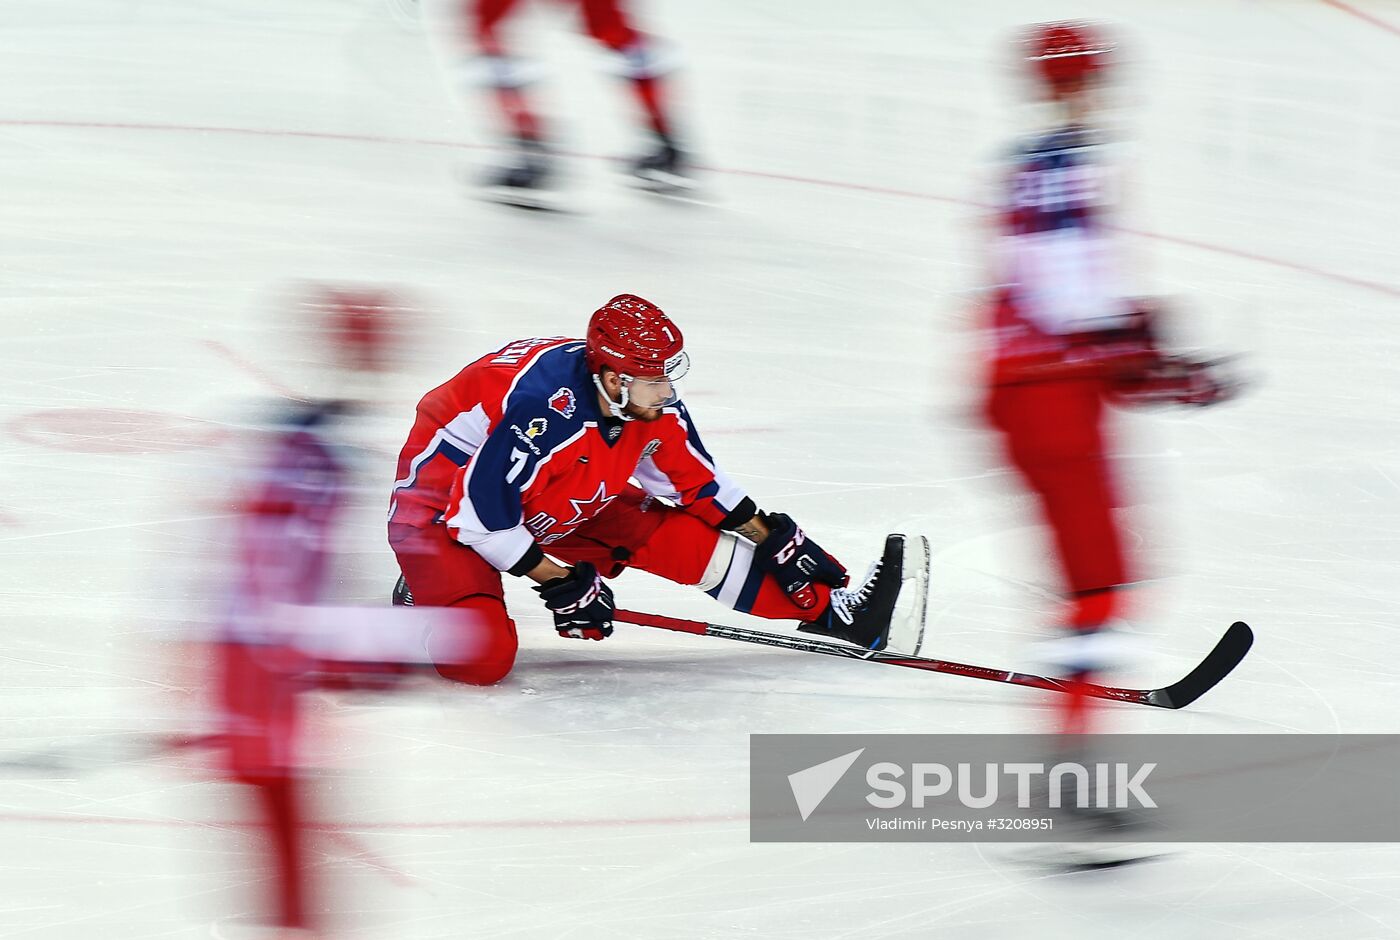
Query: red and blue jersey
<point>286,528</point>
<point>1056,263</point>
<point>514,453</point>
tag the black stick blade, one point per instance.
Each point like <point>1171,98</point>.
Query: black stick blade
<point>1216,666</point>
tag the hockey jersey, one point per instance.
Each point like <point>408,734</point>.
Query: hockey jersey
<point>1055,258</point>
<point>514,453</point>
<point>285,531</point>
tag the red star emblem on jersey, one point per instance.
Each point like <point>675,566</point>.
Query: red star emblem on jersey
<point>588,508</point>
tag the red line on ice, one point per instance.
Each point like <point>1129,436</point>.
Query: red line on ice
<point>1361,15</point>
<point>252,368</point>
<point>1389,290</point>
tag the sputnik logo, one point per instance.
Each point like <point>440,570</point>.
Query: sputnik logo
<point>811,786</point>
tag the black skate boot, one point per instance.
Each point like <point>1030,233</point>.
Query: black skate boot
<point>864,614</point>
<point>526,181</point>
<point>402,596</point>
<point>663,169</point>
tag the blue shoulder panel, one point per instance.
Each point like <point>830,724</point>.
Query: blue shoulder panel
<point>548,406</point>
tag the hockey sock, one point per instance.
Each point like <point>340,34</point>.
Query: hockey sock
<point>520,118</point>
<point>279,797</point>
<point>649,92</point>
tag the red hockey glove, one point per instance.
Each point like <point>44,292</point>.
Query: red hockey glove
<point>1140,374</point>
<point>1176,380</point>
<point>796,561</point>
<point>581,602</point>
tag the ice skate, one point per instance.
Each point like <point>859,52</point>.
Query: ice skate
<point>402,596</point>
<point>1096,838</point>
<point>911,609</point>
<point>663,170</point>
<point>884,606</point>
<point>526,182</point>
<point>1089,837</point>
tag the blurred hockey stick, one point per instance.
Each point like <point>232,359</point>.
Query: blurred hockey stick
<point>1228,651</point>
<point>97,753</point>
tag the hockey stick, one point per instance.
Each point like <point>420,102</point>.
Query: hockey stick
<point>1218,663</point>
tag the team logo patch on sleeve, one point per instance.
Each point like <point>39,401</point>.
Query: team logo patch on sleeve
<point>563,402</point>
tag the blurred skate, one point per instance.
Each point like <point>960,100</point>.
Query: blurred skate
<point>526,181</point>
<point>664,170</point>
<point>1093,837</point>
<point>1095,841</point>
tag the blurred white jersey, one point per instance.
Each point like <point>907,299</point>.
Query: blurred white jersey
<point>1056,260</point>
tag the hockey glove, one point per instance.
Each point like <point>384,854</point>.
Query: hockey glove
<point>582,604</point>
<point>796,561</point>
<point>1176,380</point>
<point>1139,373</point>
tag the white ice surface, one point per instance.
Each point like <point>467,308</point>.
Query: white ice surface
<point>169,165</point>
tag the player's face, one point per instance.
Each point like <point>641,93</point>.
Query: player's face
<point>643,414</point>
<point>1080,99</point>
<point>646,397</point>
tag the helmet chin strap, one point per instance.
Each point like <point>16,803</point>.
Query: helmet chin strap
<point>616,407</point>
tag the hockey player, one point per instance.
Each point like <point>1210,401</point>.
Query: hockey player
<point>526,179</point>
<point>1067,341</point>
<point>280,633</point>
<point>523,464</point>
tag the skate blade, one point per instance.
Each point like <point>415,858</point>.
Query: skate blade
<point>534,200</point>
<point>662,183</point>
<point>906,634</point>
<point>1069,857</point>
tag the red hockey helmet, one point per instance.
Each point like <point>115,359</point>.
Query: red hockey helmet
<point>336,340</point>
<point>360,322</point>
<point>633,337</point>
<point>1066,55</point>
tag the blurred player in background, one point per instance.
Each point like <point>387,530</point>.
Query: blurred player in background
<point>531,452</point>
<point>282,632</point>
<point>526,180</point>
<point>1067,340</point>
